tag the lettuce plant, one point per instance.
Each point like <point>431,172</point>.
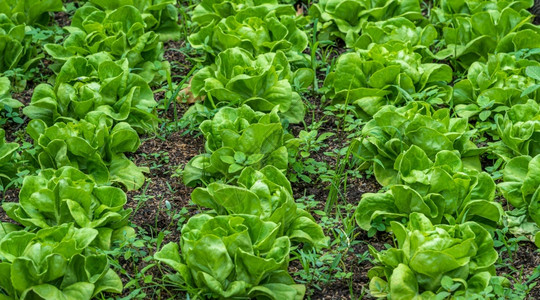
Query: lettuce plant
<point>393,131</point>
<point>443,190</point>
<point>16,48</point>
<point>67,195</point>
<point>493,87</point>
<point>532,72</point>
<point>398,29</point>
<point>521,187</point>
<point>160,17</point>
<point>444,11</point>
<point>54,263</point>
<point>8,164</point>
<point>92,86</point>
<point>345,18</point>
<point>8,151</point>
<point>519,131</point>
<point>434,261</point>
<point>5,95</point>
<point>385,74</point>
<point>121,33</point>
<point>92,146</point>
<point>6,228</point>
<point>208,11</point>
<point>268,32</point>
<point>237,138</point>
<point>470,38</point>
<point>263,83</point>
<point>248,259</point>
<point>266,194</point>
<point>30,12</point>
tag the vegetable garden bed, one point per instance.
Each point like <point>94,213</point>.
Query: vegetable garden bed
<point>269,149</point>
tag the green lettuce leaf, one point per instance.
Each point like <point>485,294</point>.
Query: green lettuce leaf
<point>248,258</point>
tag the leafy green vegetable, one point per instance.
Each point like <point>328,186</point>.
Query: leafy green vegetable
<point>67,195</point>
<point>521,187</point>
<point>430,260</point>
<point>93,86</point>
<point>398,29</point>
<point>493,87</point>
<point>263,83</point>
<point>5,97</point>
<point>248,258</point>
<point>237,138</point>
<point>121,33</point>
<point>16,48</point>
<point>54,263</point>
<point>160,16</point>
<point>266,194</point>
<point>8,164</point>
<point>51,263</point>
<point>265,31</point>
<point>443,190</point>
<point>342,18</point>
<point>519,131</point>
<point>394,130</point>
<point>30,12</point>
<point>445,10</point>
<point>534,73</point>
<point>490,27</point>
<point>93,146</point>
<point>385,74</point>
<point>208,11</point>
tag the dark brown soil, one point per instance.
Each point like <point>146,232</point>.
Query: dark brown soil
<point>325,285</point>
<point>180,62</point>
<point>63,19</point>
<point>11,195</point>
<point>535,10</point>
<point>158,206</point>
<point>523,263</point>
<point>161,186</point>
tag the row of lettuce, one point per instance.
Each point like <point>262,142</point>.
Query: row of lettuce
<point>253,67</point>
<point>71,207</point>
<point>449,94</point>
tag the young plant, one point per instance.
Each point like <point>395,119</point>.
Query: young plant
<point>18,52</point>
<point>521,187</point>
<point>258,30</point>
<point>237,138</point>
<point>482,28</point>
<point>93,146</point>
<point>30,12</point>
<point>8,161</point>
<point>6,102</point>
<point>67,195</point>
<point>434,261</point>
<point>262,82</point>
<point>384,74</point>
<point>121,33</point>
<point>345,19</point>
<point>54,263</point>
<point>519,131</point>
<point>394,130</point>
<point>249,259</point>
<point>160,17</point>
<point>443,190</point>
<point>493,87</point>
<point>266,194</point>
<point>93,86</point>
